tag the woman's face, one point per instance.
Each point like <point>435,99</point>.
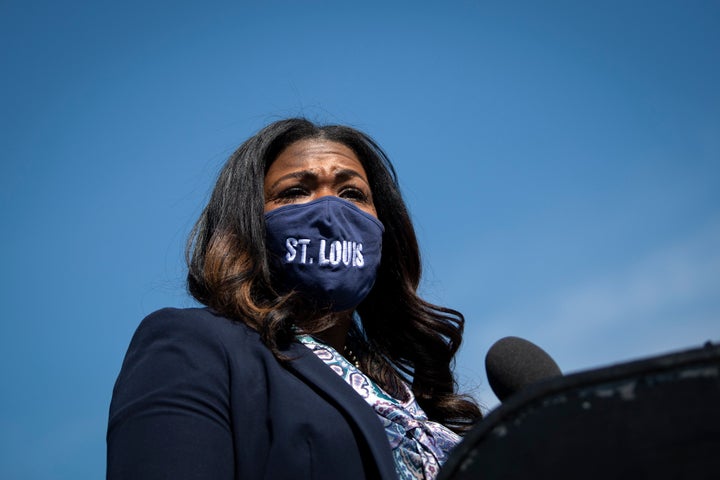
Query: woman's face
<point>310,169</point>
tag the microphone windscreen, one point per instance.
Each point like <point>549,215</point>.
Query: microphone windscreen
<point>513,363</point>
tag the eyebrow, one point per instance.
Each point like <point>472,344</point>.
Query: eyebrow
<point>341,175</point>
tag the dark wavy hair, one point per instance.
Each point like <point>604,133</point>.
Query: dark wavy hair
<point>398,336</point>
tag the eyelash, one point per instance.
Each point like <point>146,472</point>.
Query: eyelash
<point>354,194</point>
<point>350,193</point>
<point>292,192</point>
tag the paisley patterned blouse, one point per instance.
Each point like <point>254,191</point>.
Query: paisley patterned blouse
<point>419,446</point>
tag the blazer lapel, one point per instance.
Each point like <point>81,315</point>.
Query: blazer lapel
<point>312,370</point>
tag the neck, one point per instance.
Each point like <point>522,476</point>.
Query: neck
<point>336,336</point>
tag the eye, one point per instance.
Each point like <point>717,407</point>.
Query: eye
<point>354,194</point>
<point>292,193</point>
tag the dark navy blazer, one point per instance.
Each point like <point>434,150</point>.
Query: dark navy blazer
<point>200,397</point>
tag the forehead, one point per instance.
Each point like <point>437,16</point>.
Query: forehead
<point>315,153</point>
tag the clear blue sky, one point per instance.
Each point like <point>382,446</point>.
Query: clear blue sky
<point>561,161</point>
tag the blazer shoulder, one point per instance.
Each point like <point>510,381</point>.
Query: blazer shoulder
<point>201,324</point>
<point>202,317</point>
<point>199,336</point>
<point>173,349</point>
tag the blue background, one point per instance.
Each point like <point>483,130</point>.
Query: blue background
<point>561,161</point>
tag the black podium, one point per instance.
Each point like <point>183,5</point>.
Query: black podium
<point>657,418</point>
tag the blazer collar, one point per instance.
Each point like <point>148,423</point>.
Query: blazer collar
<point>313,371</point>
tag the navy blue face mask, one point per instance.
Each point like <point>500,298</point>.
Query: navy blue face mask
<point>327,249</point>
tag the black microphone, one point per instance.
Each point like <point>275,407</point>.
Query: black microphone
<point>513,363</point>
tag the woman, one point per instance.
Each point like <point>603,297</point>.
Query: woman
<point>314,357</point>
